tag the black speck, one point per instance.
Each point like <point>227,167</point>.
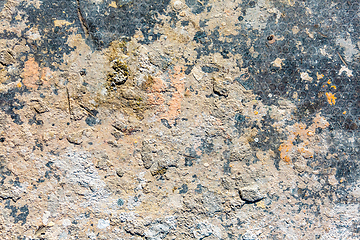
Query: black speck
<point>165,123</point>
<point>198,188</point>
<point>92,121</point>
<point>200,36</point>
<point>227,168</point>
<point>184,189</point>
<point>184,23</point>
<point>35,121</point>
<point>21,216</point>
<point>209,69</point>
<point>188,162</point>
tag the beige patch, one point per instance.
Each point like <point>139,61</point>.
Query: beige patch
<point>319,76</point>
<point>310,34</point>
<point>60,23</point>
<point>278,62</point>
<point>113,4</point>
<point>305,76</point>
<point>295,30</point>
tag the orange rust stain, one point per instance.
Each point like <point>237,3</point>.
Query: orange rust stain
<point>284,149</point>
<point>319,76</point>
<point>33,75</point>
<point>306,134</point>
<point>334,87</point>
<point>329,81</point>
<point>330,98</point>
<point>177,79</point>
<point>155,93</point>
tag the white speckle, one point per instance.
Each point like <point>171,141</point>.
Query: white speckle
<point>102,224</point>
<point>103,91</point>
<point>34,34</point>
<point>206,164</point>
<point>345,69</point>
<point>295,30</point>
<point>305,76</point>
<point>197,73</point>
<point>66,222</point>
<point>46,217</point>
<point>270,95</point>
<point>349,48</point>
<point>310,34</point>
<point>256,139</point>
<point>324,53</point>
<point>177,5</point>
<point>51,224</point>
<point>256,17</point>
<point>278,62</point>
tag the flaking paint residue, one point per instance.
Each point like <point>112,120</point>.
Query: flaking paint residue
<point>34,76</point>
<point>330,97</point>
<point>177,77</point>
<point>305,134</point>
<point>31,73</point>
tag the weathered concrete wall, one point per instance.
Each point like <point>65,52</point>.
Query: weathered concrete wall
<point>181,119</point>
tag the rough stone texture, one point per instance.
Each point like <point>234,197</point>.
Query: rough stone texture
<point>251,193</point>
<point>179,119</point>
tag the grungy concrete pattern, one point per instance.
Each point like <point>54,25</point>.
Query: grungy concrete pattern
<point>179,119</point>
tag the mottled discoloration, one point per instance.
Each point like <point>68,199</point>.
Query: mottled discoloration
<point>179,119</point>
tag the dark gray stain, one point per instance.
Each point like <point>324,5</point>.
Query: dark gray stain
<point>183,189</point>
<point>197,6</point>
<point>165,122</point>
<point>9,104</point>
<point>53,43</point>
<point>105,24</point>
<point>19,214</point>
<point>198,189</point>
<point>207,145</point>
<point>92,121</point>
<point>35,121</point>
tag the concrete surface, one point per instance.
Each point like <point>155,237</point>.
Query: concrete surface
<point>181,119</point>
